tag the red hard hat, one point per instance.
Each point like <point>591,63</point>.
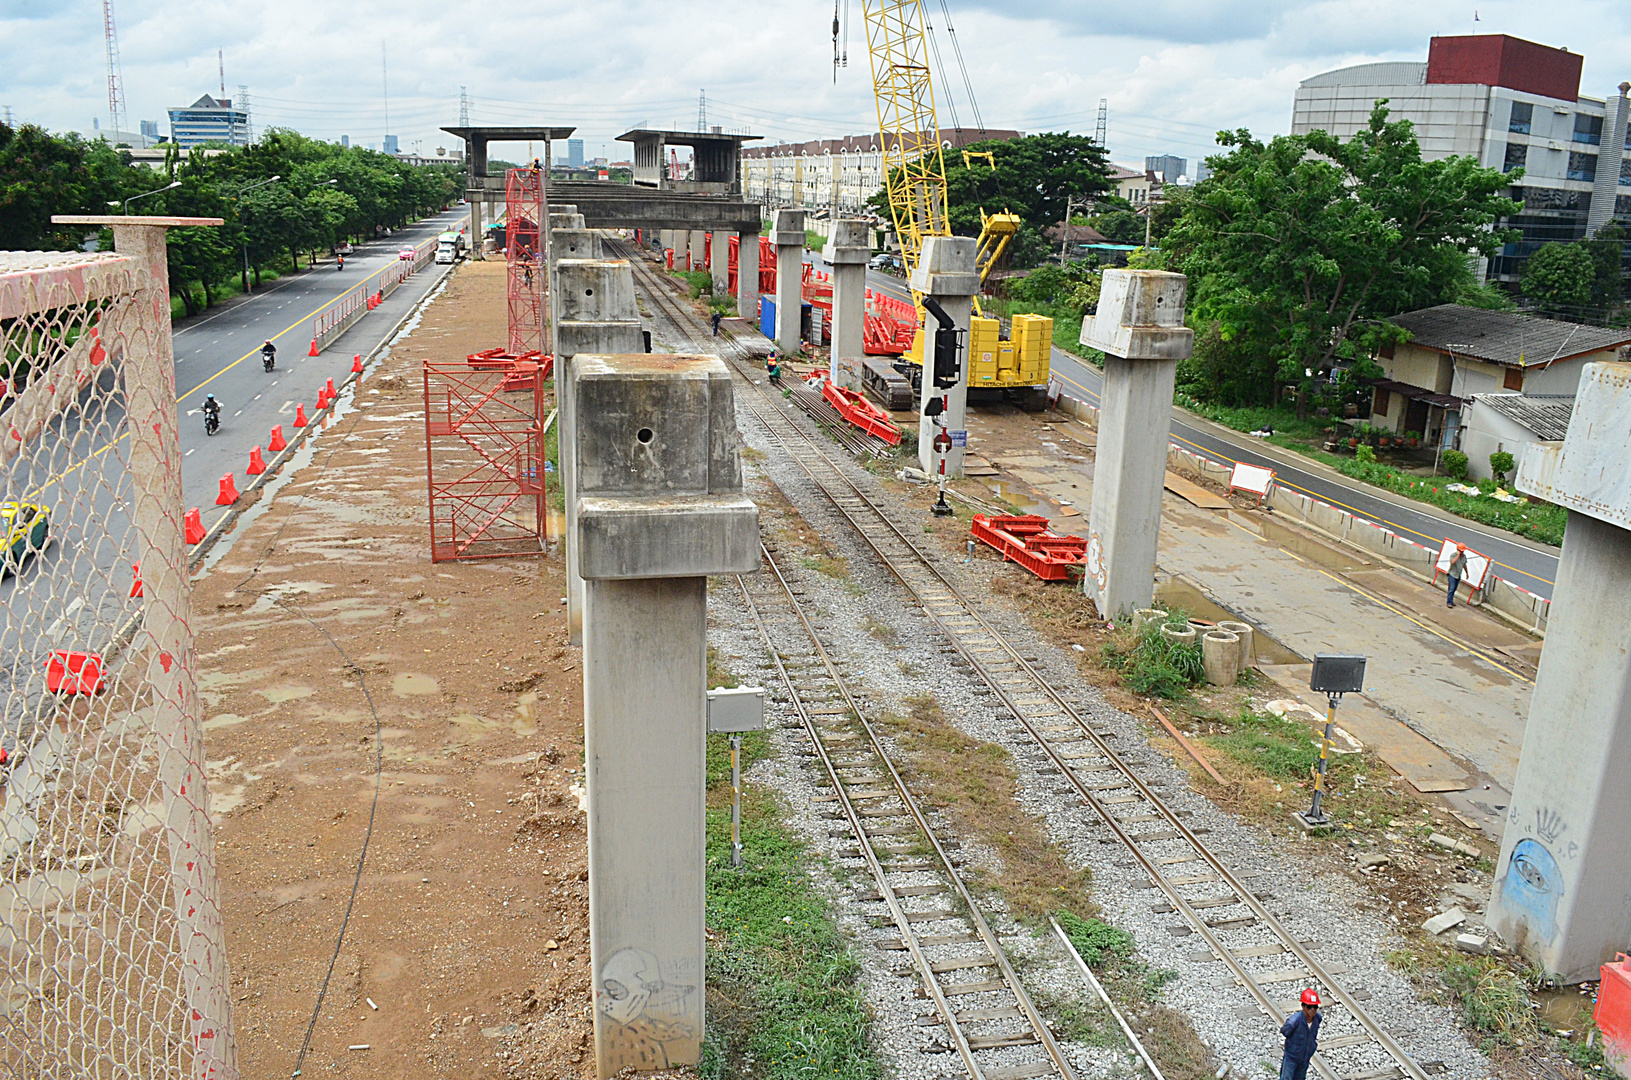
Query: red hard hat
<point>1461,547</point>
<point>1311,997</point>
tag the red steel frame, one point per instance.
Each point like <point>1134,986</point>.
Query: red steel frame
<point>484,459</point>
<point>523,256</point>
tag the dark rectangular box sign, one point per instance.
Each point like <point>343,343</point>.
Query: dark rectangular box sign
<point>1500,60</point>
<point>1337,673</point>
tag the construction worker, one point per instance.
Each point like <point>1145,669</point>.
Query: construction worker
<point>1458,569</point>
<point>716,323</point>
<point>1302,1035</point>
<point>773,368</point>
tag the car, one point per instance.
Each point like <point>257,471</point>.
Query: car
<point>408,254</point>
<point>25,528</point>
<point>885,262</point>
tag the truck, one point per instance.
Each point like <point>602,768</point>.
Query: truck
<point>450,247</point>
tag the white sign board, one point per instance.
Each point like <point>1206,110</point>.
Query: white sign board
<point>1477,565</point>
<point>1252,478</point>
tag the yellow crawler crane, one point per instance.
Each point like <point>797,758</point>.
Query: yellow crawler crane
<point>914,171</point>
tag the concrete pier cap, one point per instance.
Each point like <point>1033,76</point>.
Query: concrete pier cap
<point>595,290</point>
<point>1562,891</point>
<point>1140,316</point>
<point>788,228</point>
<point>574,243</point>
<point>849,243</point>
<point>945,267</point>
<point>660,480</point>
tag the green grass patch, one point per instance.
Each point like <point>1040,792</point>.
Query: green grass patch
<point>700,282</point>
<point>1539,522</point>
<point>1154,664</point>
<point>814,240</point>
<point>784,994</point>
<point>1281,748</point>
<point>1493,998</point>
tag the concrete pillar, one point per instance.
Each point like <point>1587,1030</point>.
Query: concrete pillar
<point>699,249</point>
<point>476,225</point>
<point>747,277</point>
<point>719,261</point>
<point>1562,893</point>
<point>945,271</point>
<point>670,242</point>
<point>660,508</point>
<point>788,236</point>
<point>848,252</point>
<point>1140,329</point>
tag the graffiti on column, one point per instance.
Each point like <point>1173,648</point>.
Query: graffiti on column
<point>1532,882</point>
<point>643,1013</point>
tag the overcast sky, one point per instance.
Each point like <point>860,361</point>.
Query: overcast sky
<point>1173,72</point>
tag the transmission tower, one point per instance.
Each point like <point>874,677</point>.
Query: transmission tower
<point>464,107</point>
<point>116,82</point>
<point>1104,121</point>
<point>702,110</point>
<point>243,106</point>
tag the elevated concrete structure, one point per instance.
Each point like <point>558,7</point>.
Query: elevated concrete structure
<point>945,270</point>
<point>1562,892</point>
<point>716,160</point>
<point>660,507</point>
<point>747,274</point>
<point>788,236</point>
<point>483,190</point>
<point>847,252</point>
<point>1140,329</point>
<point>719,260</point>
<point>605,205</point>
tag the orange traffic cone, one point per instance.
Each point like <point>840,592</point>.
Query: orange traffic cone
<point>299,416</point>
<point>313,348</point>
<point>328,387</point>
<point>356,363</point>
<point>256,464</point>
<point>136,581</point>
<point>277,442</point>
<point>195,526</point>
<point>229,492</point>
<point>322,400</point>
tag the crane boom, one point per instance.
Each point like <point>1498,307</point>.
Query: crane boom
<point>914,168</point>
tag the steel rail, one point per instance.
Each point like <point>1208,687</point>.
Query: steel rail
<point>914,811</point>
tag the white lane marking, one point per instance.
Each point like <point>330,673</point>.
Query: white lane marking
<point>51,631</point>
<point>285,406</point>
<point>189,453</point>
<point>237,414</point>
<point>257,397</point>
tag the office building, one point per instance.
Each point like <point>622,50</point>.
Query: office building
<point>390,144</point>
<point>1509,104</point>
<point>209,120</point>
<point>574,153</point>
<point>150,129</point>
<point>1167,167</point>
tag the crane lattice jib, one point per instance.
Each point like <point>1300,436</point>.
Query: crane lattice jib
<point>913,166</point>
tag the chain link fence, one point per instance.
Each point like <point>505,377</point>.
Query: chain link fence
<point>111,953</point>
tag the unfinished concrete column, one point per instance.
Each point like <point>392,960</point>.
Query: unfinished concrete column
<point>719,261</point>
<point>1140,329</point>
<point>945,271</point>
<point>788,236</point>
<point>660,508</point>
<point>476,209</point>
<point>597,316</point>
<point>1562,893</point>
<point>848,253</point>
<point>747,277</point>
<point>699,249</point>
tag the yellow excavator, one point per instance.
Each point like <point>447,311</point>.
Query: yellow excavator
<point>915,180</point>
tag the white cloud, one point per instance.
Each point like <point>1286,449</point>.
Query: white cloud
<point>1174,73</point>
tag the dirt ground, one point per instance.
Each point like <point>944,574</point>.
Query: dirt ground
<point>466,954</point>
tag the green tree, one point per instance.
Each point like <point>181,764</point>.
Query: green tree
<point>1120,226</point>
<point>1607,259</point>
<point>1301,248</point>
<point>1501,463</point>
<point>1559,278</point>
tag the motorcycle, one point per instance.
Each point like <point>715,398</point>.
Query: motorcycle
<point>269,360</point>
<point>212,423</point>
<point>339,262</point>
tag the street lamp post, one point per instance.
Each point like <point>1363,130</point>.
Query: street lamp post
<point>145,194</point>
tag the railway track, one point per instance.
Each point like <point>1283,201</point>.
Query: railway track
<point>988,1017</point>
<point>1266,962</point>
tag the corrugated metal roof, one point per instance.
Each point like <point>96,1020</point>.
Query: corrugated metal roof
<point>1501,337</point>
<point>1546,415</point>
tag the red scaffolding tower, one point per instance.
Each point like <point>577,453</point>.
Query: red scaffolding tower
<point>524,259</point>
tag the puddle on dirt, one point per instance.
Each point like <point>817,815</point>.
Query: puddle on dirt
<point>1326,555</point>
<point>1174,593</point>
<point>1015,497</point>
<point>222,720</point>
<point>412,684</point>
<point>473,728</point>
<point>526,714</point>
<point>1565,1009</point>
<point>277,695</point>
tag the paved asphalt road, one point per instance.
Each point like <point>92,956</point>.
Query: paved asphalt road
<point>76,592</point>
<point>1528,566</point>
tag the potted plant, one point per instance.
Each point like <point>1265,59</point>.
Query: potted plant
<point>1413,438</point>
<point>1383,441</point>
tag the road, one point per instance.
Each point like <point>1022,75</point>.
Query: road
<point>76,593</point>
<point>1529,566</point>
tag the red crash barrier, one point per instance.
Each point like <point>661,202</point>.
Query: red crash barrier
<point>1027,540</point>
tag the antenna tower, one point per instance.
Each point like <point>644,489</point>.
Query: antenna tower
<point>221,69</point>
<point>702,110</point>
<point>464,107</point>
<point>1104,120</point>
<point>385,86</point>
<point>243,107</point>
<point>116,82</point>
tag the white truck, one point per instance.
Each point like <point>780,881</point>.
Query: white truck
<point>450,247</point>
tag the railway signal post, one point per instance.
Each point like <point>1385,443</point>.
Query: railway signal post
<point>945,273</point>
<point>1561,892</point>
<point>660,507</point>
<point>1140,329</point>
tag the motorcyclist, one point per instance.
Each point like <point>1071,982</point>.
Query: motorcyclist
<point>269,355</point>
<point>212,411</point>
<point>339,263</point>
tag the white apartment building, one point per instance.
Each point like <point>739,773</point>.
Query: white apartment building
<point>834,177</point>
<point>1509,104</point>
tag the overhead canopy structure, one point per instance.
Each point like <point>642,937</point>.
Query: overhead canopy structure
<point>477,138</point>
